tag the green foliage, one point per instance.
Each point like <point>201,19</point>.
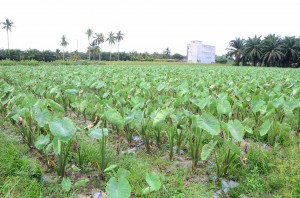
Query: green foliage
<point>153,182</point>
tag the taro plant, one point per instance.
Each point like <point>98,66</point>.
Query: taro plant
<point>63,131</point>
<point>231,150</point>
<point>132,120</point>
<point>118,185</point>
<point>158,120</point>
<point>115,118</point>
<point>41,144</point>
<point>205,122</point>
<point>101,135</point>
<point>154,183</point>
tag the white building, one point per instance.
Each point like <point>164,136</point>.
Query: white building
<point>197,52</point>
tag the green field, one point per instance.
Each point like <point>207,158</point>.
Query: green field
<point>149,130</point>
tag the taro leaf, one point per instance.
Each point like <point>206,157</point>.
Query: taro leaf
<point>207,149</point>
<point>115,118</point>
<point>118,188</point>
<point>83,105</point>
<point>223,107</point>
<point>257,105</point>
<point>42,141</point>
<point>248,130</point>
<point>233,147</point>
<point>201,103</point>
<point>66,184</point>
<point>153,181</point>
<point>122,173</point>
<point>63,128</point>
<point>111,167</point>
<point>98,133</point>
<point>56,146</point>
<point>160,86</point>
<point>136,117</point>
<point>72,91</point>
<point>292,104</point>
<point>81,182</point>
<point>160,117</point>
<point>209,123</point>
<point>265,127</point>
<point>236,129</point>
<point>54,105</point>
<point>43,117</point>
<point>278,102</point>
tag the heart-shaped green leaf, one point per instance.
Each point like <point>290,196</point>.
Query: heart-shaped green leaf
<point>115,118</point>
<point>98,133</point>
<point>264,128</point>
<point>42,141</point>
<point>66,184</point>
<point>223,107</point>
<point>153,181</point>
<point>209,123</point>
<point>63,128</point>
<point>207,149</point>
<point>236,129</point>
<point>118,188</point>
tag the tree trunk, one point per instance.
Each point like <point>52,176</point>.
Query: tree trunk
<point>110,53</point>
<point>118,50</point>
<point>63,53</point>
<point>7,39</point>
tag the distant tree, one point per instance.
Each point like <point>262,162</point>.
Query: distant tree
<point>64,44</point>
<point>253,50</point>
<point>290,49</point>
<point>272,50</point>
<point>99,39</point>
<point>178,56</point>
<point>167,52</point>
<point>119,37</point>
<point>7,24</point>
<point>89,34</point>
<point>236,50</point>
<point>111,40</point>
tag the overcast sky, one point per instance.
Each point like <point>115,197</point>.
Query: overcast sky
<point>148,25</point>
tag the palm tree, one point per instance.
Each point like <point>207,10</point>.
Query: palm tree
<point>64,44</point>
<point>167,52</point>
<point>236,49</point>
<point>111,40</point>
<point>290,48</point>
<point>99,40</point>
<point>252,49</point>
<point>89,33</point>
<point>119,37</point>
<point>7,24</point>
<point>272,50</point>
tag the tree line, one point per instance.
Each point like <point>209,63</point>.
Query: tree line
<point>48,56</point>
<point>271,50</point>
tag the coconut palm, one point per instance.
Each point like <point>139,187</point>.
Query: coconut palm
<point>167,52</point>
<point>236,50</point>
<point>272,50</point>
<point>64,44</point>
<point>119,37</point>
<point>7,24</point>
<point>290,48</point>
<point>99,40</point>
<point>253,50</point>
<point>111,40</point>
<point>89,33</point>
